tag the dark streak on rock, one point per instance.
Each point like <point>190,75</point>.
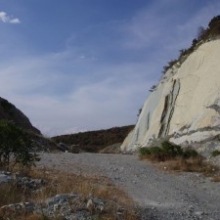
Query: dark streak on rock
<point>169,106</point>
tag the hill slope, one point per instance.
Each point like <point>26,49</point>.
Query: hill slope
<point>9,112</point>
<point>93,141</point>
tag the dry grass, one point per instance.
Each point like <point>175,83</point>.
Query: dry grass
<point>179,164</point>
<point>11,194</point>
<point>195,164</point>
<point>60,183</point>
<point>173,158</point>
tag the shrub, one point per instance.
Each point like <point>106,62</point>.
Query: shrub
<point>171,150</point>
<point>190,153</point>
<point>215,20</point>
<point>152,89</point>
<point>144,150</point>
<point>215,153</point>
<point>157,154</point>
<point>15,142</point>
<point>167,151</point>
<point>153,153</point>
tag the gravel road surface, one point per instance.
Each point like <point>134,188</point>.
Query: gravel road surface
<point>160,195</point>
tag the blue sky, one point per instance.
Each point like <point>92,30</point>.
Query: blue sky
<point>75,65</point>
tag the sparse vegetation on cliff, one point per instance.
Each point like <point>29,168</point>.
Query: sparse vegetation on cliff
<point>204,34</point>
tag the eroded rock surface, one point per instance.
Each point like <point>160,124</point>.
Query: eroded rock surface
<point>185,105</point>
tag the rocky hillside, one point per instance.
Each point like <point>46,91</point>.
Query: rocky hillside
<point>94,141</point>
<point>184,106</point>
<point>9,112</point>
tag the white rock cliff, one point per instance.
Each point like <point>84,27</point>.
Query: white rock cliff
<point>185,105</point>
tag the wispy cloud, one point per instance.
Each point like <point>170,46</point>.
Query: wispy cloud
<point>57,101</point>
<point>102,75</point>
<point>8,19</point>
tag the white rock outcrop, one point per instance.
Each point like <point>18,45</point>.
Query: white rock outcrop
<point>185,105</point>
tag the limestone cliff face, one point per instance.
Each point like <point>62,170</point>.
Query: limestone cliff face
<point>185,105</point>
<point>9,112</point>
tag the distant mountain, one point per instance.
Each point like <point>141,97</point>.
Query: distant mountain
<point>94,141</point>
<point>9,112</point>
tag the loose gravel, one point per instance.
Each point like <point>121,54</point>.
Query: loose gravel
<point>161,195</point>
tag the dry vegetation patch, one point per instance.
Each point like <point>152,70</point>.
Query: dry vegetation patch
<point>197,164</point>
<point>116,201</point>
<point>173,158</point>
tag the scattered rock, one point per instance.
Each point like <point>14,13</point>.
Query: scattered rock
<point>90,206</point>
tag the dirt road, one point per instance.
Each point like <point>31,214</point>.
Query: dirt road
<point>162,195</point>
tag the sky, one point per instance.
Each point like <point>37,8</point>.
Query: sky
<point>79,65</point>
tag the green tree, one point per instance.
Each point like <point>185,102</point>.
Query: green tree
<point>201,33</point>
<point>15,145</point>
<point>215,20</point>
